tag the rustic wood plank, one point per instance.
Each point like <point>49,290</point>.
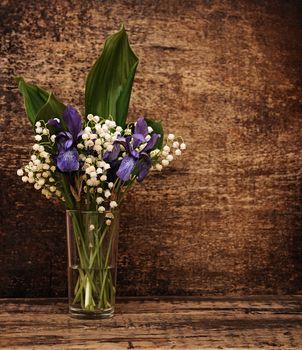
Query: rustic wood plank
<point>226,75</point>
<point>263,322</point>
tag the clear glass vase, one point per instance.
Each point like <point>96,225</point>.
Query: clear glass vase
<point>92,254</point>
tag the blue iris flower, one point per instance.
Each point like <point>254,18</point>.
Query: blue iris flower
<point>67,159</point>
<point>135,155</point>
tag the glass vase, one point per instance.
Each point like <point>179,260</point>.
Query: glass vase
<point>92,254</point>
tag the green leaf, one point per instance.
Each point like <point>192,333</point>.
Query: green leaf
<point>158,128</point>
<point>53,108</point>
<point>109,82</point>
<point>34,98</point>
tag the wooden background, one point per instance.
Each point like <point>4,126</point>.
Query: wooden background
<point>227,217</point>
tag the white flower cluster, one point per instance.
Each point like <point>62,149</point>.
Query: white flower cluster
<point>98,137</point>
<point>40,171</point>
<point>173,147</point>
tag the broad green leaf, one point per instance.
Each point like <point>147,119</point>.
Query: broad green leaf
<point>109,82</point>
<point>158,128</point>
<point>34,98</point>
<point>53,108</point>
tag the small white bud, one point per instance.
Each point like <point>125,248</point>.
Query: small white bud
<point>58,193</point>
<point>165,162</point>
<point>91,227</point>
<point>89,143</point>
<point>20,172</point>
<point>169,157</point>
<point>99,200</point>
<point>178,152</point>
<point>80,146</point>
<point>36,147</point>
<point>37,186</point>
<point>39,130</point>
<point>90,117</point>
<point>101,209</point>
<point>109,215</point>
<point>98,149</point>
<point>44,154</point>
<point>110,185</point>
<point>113,204</point>
<point>171,137</point>
<point>24,178</point>
<point>183,146</point>
<point>45,131</point>
<point>41,182</point>
<point>109,148</point>
<point>103,178</point>
<point>108,222</point>
<point>52,188</point>
<point>31,180</point>
<point>107,193</point>
<point>158,167</point>
<point>154,153</point>
<point>166,149</point>
<point>175,144</point>
<point>38,138</point>
<point>99,190</point>
<point>38,124</point>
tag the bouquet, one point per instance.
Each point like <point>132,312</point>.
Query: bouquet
<point>89,163</point>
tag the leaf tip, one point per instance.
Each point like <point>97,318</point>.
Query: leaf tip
<point>18,79</point>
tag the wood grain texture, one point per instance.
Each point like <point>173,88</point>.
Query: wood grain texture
<point>207,323</point>
<point>226,75</point>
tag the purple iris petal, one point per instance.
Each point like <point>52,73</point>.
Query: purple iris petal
<point>141,127</point>
<point>151,143</point>
<point>143,167</point>
<point>68,144</point>
<point>73,121</point>
<point>64,140</point>
<point>137,139</point>
<point>68,161</point>
<point>55,123</point>
<point>112,155</point>
<point>126,168</point>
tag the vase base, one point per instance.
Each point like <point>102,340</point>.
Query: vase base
<point>95,315</point>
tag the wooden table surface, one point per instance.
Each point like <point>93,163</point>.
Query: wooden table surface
<point>262,322</point>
